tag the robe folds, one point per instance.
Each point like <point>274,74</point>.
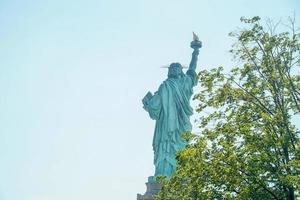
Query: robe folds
<point>170,107</point>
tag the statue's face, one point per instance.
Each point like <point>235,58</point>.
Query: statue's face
<point>175,70</point>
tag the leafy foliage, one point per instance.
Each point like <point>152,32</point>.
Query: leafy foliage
<point>248,147</point>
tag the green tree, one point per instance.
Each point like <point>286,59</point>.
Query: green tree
<point>248,147</point>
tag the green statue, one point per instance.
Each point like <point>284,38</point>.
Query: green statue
<point>170,107</point>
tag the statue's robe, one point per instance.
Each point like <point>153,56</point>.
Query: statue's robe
<point>170,107</point>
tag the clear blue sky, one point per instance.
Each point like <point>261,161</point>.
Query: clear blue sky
<point>72,76</point>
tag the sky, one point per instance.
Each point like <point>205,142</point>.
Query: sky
<point>72,76</point>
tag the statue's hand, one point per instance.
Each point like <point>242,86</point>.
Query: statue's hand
<point>196,52</point>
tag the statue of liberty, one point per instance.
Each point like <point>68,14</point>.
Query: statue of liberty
<point>170,107</point>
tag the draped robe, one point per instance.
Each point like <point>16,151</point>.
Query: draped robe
<point>171,109</point>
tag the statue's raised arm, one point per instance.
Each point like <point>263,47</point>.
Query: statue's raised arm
<point>191,72</point>
<point>196,44</point>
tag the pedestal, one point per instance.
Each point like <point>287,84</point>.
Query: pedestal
<point>152,189</point>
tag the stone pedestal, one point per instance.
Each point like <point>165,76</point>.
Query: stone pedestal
<point>152,189</point>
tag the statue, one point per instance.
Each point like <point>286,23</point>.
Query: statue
<point>171,109</point>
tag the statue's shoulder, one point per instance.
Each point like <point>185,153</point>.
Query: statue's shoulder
<point>167,81</point>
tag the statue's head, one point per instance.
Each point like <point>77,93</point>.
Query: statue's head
<point>175,70</point>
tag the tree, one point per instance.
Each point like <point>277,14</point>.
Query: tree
<point>248,147</point>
